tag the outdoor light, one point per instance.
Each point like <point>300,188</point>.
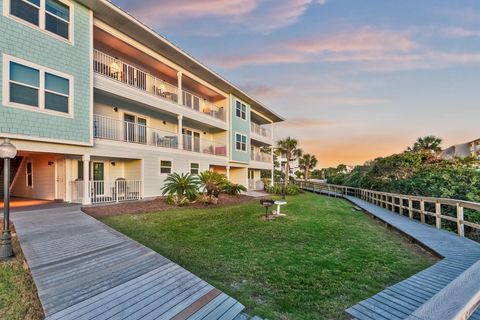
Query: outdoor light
<point>7,152</point>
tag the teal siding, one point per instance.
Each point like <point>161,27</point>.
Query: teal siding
<point>238,125</point>
<point>38,47</point>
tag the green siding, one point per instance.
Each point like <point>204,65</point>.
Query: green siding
<point>38,47</point>
<point>238,125</point>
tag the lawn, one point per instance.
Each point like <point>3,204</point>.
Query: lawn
<point>320,259</point>
<point>18,295</point>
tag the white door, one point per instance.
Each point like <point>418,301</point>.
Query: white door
<point>60,179</point>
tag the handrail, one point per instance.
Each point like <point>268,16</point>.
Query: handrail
<point>260,130</point>
<point>404,203</point>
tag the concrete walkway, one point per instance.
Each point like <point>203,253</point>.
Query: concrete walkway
<point>86,270</point>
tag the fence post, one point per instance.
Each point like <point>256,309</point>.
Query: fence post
<point>115,192</point>
<point>422,211</point>
<point>438,213</point>
<point>410,208</point>
<point>400,206</point>
<point>460,226</point>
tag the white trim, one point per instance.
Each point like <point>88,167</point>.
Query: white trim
<point>242,104</point>
<point>190,167</point>
<point>42,139</point>
<point>91,78</point>
<point>41,19</point>
<point>160,166</point>
<point>41,89</point>
<point>246,142</point>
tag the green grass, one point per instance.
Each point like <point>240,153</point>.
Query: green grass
<point>312,264</point>
<point>18,295</point>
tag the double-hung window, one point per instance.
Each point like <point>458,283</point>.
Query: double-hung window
<point>53,16</point>
<point>194,168</point>
<point>37,88</point>
<point>165,167</point>
<point>241,110</point>
<point>240,142</point>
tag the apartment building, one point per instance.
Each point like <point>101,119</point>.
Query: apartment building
<point>102,108</point>
<point>462,150</point>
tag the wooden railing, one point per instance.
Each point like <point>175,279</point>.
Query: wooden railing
<point>406,204</point>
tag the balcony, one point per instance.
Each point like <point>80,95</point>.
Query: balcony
<point>260,130</point>
<point>121,71</point>
<point>119,130</point>
<point>260,156</point>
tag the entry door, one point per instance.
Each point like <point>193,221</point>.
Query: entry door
<point>191,140</point>
<point>142,130</point>
<point>99,178</point>
<point>60,179</point>
<point>129,130</point>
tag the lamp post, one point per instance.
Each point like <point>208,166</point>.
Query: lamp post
<point>7,152</point>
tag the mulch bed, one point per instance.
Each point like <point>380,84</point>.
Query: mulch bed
<point>155,205</point>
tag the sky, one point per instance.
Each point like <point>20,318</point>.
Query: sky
<point>355,79</point>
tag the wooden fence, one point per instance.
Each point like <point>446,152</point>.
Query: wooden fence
<point>438,208</point>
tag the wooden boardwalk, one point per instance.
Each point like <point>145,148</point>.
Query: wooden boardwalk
<point>436,293</point>
<point>86,270</point>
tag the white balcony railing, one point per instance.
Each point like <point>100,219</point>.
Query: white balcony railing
<point>260,130</point>
<point>204,146</point>
<point>107,191</point>
<point>114,68</point>
<point>260,156</point>
<point>118,130</point>
<point>255,184</point>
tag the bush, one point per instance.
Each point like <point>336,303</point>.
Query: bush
<point>233,189</point>
<point>207,200</point>
<point>290,190</point>
<point>213,182</point>
<point>181,185</point>
<point>178,201</point>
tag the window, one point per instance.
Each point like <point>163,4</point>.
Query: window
<point>50,15</point>
<point>165,167</point>
<point>29,174</point>
<point>37,88</point>
<point>194,168</point>
<point>241,110</point>
<point>240,142</point>
<point>80,170</point>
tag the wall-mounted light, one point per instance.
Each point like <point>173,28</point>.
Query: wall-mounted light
<point>115,109</point>
<point>113,164</point>
<point>164,122</point>
<point>204,132</point>
<point>51,163</point>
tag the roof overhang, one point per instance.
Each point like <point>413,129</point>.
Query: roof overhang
<point>130,26</point>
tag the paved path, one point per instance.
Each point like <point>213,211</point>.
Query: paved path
<point>404,298</point>
<point>86,270</point>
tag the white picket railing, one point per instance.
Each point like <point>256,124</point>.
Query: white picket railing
<point>260,156</point>
<point>76,191</point>
<point>118,130</point>
<point>119,70</point>
<point>204,146</point>
<point>255,184</point>
<point>260,130</point>
<point>115,191</point>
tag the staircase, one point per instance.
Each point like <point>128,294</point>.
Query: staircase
<point>14,166</point>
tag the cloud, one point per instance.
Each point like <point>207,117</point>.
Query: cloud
<point>216,16</point>
<point>306,123</point>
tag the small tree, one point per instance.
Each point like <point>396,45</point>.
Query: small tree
<point>306,163</point>
<point>212,182</point>
<point>181,186</point>
<point>428,144</point>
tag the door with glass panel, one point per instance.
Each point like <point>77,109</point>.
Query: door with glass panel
<point>191,140</point>
<point>98,178</point>
<point>135,129</point>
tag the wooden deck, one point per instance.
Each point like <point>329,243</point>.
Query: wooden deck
<point>435,293</point>
<point>86,270</point>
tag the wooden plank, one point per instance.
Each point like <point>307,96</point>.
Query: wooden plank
<point>197,305</point>
<point>203,312</point>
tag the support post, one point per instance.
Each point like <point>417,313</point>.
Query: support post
<point>460,225</point>
<point>180,87</point>
<point>410,209</point>
<point>422,211</point>
<point>179,132</point>
<point>438,213</point>
<point>86,179</point>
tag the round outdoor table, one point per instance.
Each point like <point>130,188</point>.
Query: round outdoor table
<point>279,203</point>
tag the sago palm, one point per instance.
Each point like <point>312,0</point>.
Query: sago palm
<point>212,182</point>
<point>184,184</point>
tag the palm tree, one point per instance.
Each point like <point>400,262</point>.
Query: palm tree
<point>181,185</point>
<point>288,147</point>
<point>428,143</point>
<point>212,182</point>
<point>307,162</point>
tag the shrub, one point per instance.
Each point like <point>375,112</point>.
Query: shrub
<point>207,200</point>
<point>233,188</point>
<point>178,201</point>
<point>181,185</point>
<point>212,182</point>
<point>290,189</point>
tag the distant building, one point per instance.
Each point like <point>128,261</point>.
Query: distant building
<point>462,150</point>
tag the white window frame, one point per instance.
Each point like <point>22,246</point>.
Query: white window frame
<point>160,167</point>
<point>197,163</point>
<point>41,90</point>
<point>41,19</point>
<point>242,112</point>
<point>27,174</point>
<point>246,142</point>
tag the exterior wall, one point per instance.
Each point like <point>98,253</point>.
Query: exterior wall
<point>238,125</point>
<point>239,176</point>
<point>35,46</point>
<point>43,179</point>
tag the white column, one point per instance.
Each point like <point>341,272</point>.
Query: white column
<point>68,179</point>
<point>228,173</point>
<point>86,178</point>
<point>179,132</point>
<point>179,85</point>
